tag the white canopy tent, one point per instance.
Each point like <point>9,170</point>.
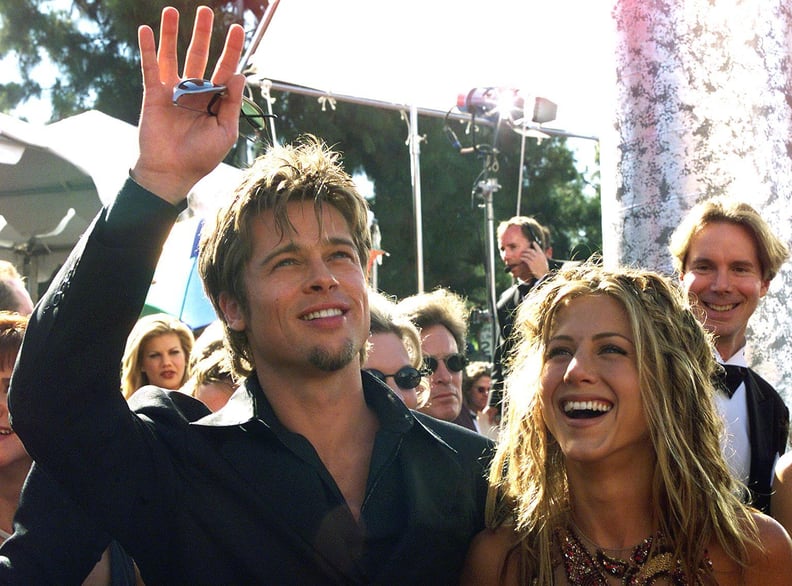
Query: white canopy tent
<point>54,179</point>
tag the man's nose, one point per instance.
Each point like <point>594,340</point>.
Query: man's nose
<point>722,280</point>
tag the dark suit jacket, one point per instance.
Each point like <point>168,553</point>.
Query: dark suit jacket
<point>229,497</point>
<point>506,308</point>
<point>768,431</point>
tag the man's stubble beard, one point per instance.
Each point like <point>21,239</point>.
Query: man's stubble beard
<point>330,362</point>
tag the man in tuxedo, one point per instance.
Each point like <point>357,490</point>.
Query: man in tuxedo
<point>726,256</point>
<point>526,253</point>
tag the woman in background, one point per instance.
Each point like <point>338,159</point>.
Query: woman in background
<point>157,353</point>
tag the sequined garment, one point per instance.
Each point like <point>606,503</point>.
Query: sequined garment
<point>586,569</point>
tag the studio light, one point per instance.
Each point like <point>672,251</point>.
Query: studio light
<point>507,103</point>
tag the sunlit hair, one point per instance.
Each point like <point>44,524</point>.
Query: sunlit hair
<point>307,171</point>
<point>12,330</point>
<point>473,371</point>
<point>772,252</point>
<point>439,307</point>
<point>209,362</point>
<point>694,497</point>
<point>385,319</point>
<point>8,270</point>
<point>146,328</point>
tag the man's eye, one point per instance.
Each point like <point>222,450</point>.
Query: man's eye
<point>285,262</point>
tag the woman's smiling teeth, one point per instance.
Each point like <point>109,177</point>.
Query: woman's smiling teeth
<point>585,409</point>
<point>322,313</point>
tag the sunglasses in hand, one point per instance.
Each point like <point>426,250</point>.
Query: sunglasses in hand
<point>454,362</point>
<point>252,118</point>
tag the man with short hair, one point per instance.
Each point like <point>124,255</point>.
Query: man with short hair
<point>726,255</point>
<point>311,473</point>
<point>441,318</point>
<point>526,254</point>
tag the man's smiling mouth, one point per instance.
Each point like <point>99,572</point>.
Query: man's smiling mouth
<point>322,313</point>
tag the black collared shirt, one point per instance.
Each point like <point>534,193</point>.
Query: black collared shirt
<point>229,497</point>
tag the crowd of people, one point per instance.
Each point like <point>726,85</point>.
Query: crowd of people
<point>321,432</point>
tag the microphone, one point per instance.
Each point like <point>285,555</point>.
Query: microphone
<point>507,269</point>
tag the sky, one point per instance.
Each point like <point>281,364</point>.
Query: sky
<point>428,53</point>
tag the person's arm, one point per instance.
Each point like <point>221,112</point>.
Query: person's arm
<point>65,398</point>
<point>781,499</point>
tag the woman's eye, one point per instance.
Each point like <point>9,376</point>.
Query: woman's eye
<point>613,349</point>
<point>558,351</point>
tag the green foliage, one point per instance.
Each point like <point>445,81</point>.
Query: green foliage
<point>93,45</point>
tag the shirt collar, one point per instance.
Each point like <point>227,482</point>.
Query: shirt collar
<point>249,402</point>
<point>738,358</point>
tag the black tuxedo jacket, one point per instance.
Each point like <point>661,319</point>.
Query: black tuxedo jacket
<point>506,309</point>
<point>768,431</point>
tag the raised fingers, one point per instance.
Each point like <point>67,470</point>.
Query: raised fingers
<point>232,52</point>
<point>167,55</point>
<point>198,52</point>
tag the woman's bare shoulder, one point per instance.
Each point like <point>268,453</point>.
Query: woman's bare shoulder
<point>774,564</point>
<point>769,567</point>
<point>487,557</point>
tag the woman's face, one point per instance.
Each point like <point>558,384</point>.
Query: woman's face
<point>164,361</point>
<point>591,400</point>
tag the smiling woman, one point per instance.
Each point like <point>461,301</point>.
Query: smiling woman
<point>610,463</point>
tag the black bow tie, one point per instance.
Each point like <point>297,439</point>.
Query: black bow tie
<point>730,378</point>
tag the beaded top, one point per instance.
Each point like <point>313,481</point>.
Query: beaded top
<point>650,562</point>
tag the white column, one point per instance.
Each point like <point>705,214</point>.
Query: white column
<point>703,96</point>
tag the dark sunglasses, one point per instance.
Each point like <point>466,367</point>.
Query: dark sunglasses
<point>453,362</point>
<point>252,118</point>
<point>406,377</point>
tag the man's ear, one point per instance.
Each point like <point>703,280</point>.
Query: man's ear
<point>232,312</point>
<point>764,288</point>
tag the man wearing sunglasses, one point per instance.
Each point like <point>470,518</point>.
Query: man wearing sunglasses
<point>441,317</point>
<point>313,472</point>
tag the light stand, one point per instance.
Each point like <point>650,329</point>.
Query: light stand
<point>486,188</point>
<point>498,105</point>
